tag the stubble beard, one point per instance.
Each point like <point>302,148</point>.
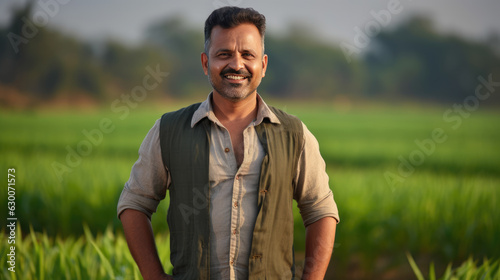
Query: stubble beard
<point>232,92</point>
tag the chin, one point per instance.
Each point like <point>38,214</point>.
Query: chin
<point>235,97</point>
<point>234,93</point>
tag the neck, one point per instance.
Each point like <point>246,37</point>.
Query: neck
<point>228,110</point>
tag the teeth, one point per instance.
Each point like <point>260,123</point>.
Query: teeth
<point>235,77</point>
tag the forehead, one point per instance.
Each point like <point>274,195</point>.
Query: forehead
<point>245,35</point>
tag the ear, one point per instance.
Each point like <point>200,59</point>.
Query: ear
<point>204,62</point>
<point>264,65</point>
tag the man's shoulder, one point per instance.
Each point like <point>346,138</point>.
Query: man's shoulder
<point>177,119</point>
<point>183,111</point>
<point>287,119</point>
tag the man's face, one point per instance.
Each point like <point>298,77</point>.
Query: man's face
<point>235,64</point>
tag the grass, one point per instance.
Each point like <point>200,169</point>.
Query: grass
<point>103,256</point>
<point>469,270</point>
<point>443,212</point>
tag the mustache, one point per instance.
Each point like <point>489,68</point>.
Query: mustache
<point>239,72</point>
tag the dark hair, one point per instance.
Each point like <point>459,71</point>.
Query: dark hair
<point>228,17</point>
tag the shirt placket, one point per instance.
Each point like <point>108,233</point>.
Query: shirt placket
<point>236,210</point>
<point>235,225</point>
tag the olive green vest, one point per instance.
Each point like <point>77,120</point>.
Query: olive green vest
<point>185,152</point>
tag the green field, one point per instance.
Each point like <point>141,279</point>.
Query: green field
<point>406,180</point>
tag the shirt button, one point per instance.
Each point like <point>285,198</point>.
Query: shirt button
<point>235,204</point>
<point>231,262</point>
<point>234,231</point>
<point>237,177</point>
<point>226,150</point>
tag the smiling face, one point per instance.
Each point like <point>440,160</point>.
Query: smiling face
<point>235,63</point>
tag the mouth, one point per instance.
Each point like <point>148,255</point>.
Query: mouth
<point>235,78</point>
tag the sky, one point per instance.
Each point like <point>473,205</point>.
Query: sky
<point>333,21</point>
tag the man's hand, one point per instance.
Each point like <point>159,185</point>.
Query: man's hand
<point>142,245</point>
<point>320,237</point>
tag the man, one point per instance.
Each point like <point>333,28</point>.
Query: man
<point>232,166</point>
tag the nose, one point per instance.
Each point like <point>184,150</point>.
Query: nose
<point>237,62</point>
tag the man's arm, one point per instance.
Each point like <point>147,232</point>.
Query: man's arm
<point>142,245</point>
<point>320,237</point>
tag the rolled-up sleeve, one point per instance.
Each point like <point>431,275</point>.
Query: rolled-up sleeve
<point>312,191</point>
<point>148,180</point>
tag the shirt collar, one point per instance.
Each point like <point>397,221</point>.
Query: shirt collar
<point>205,111</point>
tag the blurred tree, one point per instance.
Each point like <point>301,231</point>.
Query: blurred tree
<point>182,46</point>
<point>43,63</point>
<point>301,66</point>
<point>124,67</point>
<point>412,60</point>
<point>415,61</point>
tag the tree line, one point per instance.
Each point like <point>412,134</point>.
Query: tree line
<point>410,61</point>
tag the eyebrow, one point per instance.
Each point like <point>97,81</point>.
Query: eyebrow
<point>228,50</point>
<point>223,50</point>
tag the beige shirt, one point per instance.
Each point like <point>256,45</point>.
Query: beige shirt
<point>233,190</point>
